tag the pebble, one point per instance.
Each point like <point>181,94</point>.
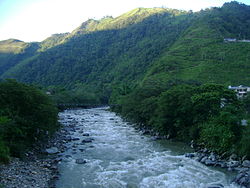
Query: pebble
<point>16,174</point>
<point>34,171</point>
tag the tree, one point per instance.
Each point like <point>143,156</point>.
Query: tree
<point>31,116</point>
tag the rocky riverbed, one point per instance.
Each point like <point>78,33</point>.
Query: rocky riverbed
<point>40,167</point>
<point>233,163</point>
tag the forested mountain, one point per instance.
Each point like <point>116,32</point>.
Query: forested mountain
<point>166,69</point>
<point>201,54</point>
<point>145,47</point>
<point>13,51</point>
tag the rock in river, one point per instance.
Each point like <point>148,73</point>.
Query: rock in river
<point>52,150</point>
<point>80,161</point>
<point>87,140</point>
<point>246,164</point>
<point>85,134</point>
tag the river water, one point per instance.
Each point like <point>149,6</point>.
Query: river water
<point>121,157</point>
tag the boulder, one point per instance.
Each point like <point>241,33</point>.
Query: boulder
<point>87,140</point>
<point>233,164</point>
<point>80,161</point>
<point>203,160</point>
<point>243,179</point>
<point>209,162</point>
<point>246,163</point>
<point>75,139</point>
<point>85,134</point>
<point>68,138</point>
<point>52,150</point>
<point>212,157</point>
<point>222,164</point>
<point>189,155</point>
<point>215,185</point>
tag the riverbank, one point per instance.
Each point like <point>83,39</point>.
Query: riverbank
<point>240,165</point>
<point>37,169</point>
<point>233,163</point>
<point>116,154</point>
<point>113,139</point>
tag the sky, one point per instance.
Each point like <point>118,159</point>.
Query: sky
<point>35,20</point>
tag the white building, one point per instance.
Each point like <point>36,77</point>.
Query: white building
<point>241,90</point>
<point>230,40</point>
<point>244,40</point>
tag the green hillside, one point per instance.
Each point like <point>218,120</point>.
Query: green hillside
<point>180,96</point>
<point>103,53</point>
<point>146,46</point>
<point>13,51</point>
<point>201,53</point>
<point>166,69</point>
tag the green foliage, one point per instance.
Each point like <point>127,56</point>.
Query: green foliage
<point>200,53</point>
<point>244,146</point>
<point>174,111</point>
<point>12,46</point>
<point>106,53</point>
<point>221,132</point>
<point>139,46</point>
<point>136,60</point>
<point>4,150</point>
<point>209,114</point>
<point>27,116</point>
<point>246,102</point>
<point>52,41</point>
<point>4,153</point>
<point>12,52</point>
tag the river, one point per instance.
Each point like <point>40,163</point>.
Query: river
<point>119,156</point>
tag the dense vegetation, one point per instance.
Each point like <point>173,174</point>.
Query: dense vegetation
<point>14,51</point>
<point>209,114</point>
<point>101,54</point>
<point>153,63</point>
<point>143,44</point>
<point>27,116</point>
<point>201,54</point>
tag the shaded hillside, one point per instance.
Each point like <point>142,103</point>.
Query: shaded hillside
<point>107,51</point>
<point>149,47</point>
<point>13,51</point>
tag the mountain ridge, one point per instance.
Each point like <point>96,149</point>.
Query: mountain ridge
<point>143,45</point>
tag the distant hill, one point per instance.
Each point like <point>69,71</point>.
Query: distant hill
<point>13,51</point>
<point>143,46</point>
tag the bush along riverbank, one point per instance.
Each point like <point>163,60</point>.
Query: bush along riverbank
<point>28,119</point>
<point>39,166</point>
<point>208,116</point>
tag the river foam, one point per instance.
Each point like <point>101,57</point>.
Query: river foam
<point>120,157</point>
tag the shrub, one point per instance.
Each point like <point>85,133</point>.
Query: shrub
<point>219,134</point>
<point>244,146</point>
<point>27,116</point>
<point>4,153</point>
